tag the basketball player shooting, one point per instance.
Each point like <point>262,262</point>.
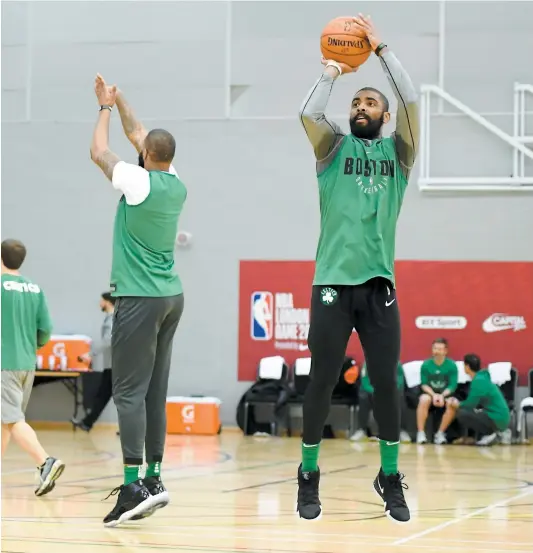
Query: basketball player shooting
<point>149,296</point>
<point>362,178</point>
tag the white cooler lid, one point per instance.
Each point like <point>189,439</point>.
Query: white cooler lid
<point>185,399</point>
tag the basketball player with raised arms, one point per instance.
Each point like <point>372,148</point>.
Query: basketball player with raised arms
<point>149,298</point>
<point>362,178</point>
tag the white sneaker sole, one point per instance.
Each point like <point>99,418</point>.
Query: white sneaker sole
<point>387,513</point>
<point>55,472</point>
<point>163,499</point>
<point>307,519</point>
<point>148,504</point>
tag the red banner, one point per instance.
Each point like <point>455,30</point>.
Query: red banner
<point>480,307</point>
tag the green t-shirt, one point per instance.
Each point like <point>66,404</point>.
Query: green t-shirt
<point>486,395</point>
<point>361,193</point>
<point>367,386</point>
<point>26,323</point>
<point>144,240</point>
<point>439,377</point>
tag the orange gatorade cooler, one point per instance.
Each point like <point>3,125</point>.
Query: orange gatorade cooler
<point>193,415</point>
<point>62,351</point>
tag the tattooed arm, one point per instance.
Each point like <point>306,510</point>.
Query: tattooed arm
<point>100,152</point>
<point>133,128</point>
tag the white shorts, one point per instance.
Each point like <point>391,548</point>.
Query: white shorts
<point>16,391</point>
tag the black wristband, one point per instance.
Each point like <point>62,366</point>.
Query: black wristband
<point>377,51</point>
<point>106,107</point>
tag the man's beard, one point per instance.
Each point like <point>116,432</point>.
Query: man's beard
<point>370,131</point>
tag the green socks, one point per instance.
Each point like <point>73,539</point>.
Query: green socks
<point>153,469</point>
<point>310,457</point>
<point>131,473</point>
<point>389,456</point>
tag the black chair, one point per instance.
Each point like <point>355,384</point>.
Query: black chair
<point>300,378</point>
<point>270,389</point>
<point>411,371</point>
<point>526,406</point>
<point>345,394</point>
<point>299,381</point>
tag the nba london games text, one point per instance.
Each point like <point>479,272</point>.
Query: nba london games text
<point>275,317</point>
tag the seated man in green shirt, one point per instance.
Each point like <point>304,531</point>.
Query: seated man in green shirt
<point>366,404</point>
<point>484,411</point>
<point>439,377</point>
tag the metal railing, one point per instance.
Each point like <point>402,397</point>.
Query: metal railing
<point>517,182</point>
<point>519,126</point>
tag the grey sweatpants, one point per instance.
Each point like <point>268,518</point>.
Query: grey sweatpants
<point>143,332</point>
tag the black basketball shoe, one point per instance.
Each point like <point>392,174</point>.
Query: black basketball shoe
<point>390,489</point>
<point>134,500</point>
<point>308,505</point>
<point>158,491</point>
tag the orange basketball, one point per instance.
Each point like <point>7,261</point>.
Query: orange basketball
<point>343,41</point>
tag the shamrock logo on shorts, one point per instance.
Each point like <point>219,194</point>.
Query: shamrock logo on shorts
<point>328,296</point>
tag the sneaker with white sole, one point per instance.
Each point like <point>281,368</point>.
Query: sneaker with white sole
<point>155,486</point>
<point>488,440</point>
<point>358,435</point>
<point>308,503</point>
<point>506,437</point>
<point>440,438</point>
<point>404,437</point>
<point>134,500</point>
<point>390,489</point>
<point>47,475</point>
<point>421,437</point>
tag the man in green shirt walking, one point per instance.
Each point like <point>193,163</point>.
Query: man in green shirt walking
<point>484,411</point>
<point>26,326</point>
<point>439,377</point>
<point>149,298</point>
<point>362,178</point>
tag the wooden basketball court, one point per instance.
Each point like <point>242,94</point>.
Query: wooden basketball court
<point>236,494</point>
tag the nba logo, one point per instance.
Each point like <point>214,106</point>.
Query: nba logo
<point>262,316</point>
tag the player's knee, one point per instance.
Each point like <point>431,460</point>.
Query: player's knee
<point>325,375</point>
<point>325,381</point>
<point>385,391</point>
<point>129,404</point>
<point>424,400</point>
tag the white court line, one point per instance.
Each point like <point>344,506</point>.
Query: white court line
<point>464,517</point>
<point>296,540</point>
<point>244,534</point>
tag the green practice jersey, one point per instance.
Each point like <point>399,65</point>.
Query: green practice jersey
<point>361,182</point>
<point>361,193</point>
<point>486,395</point>
<point>439,377</point>
<point>26,323</point>
<point>145,238</point>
